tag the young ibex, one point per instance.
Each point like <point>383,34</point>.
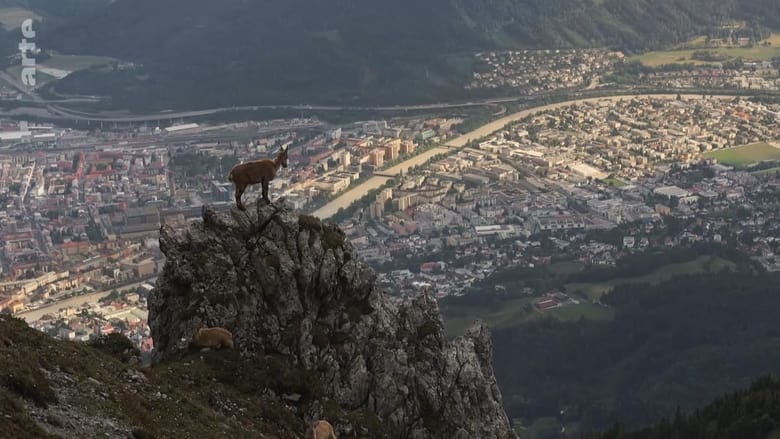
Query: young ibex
<point>212,338</point>
<point>259,171</point>
<point>320,430</point>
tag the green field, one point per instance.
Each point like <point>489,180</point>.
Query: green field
<point>75,62</point>
<point>702,264</point>
<point>40,77</point>
<point>64,62</point>
<point>12,18</point>
<point>614,182</point>
<point>745,155</point>
<point>517,311</point>
<point>758,52</point>
<point>566,267</point>
<point>586,310</point>
<point>510,313</point>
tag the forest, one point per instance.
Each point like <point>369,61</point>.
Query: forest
<point>200,53</point>
<point>753,412</point>
<point>680,343</point>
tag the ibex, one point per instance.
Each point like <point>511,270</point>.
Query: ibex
<point>320,430</point>
<point>212,338</point>
<point>259,171</point>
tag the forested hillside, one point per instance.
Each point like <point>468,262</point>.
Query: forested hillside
<point>238,52</point>
<point>745,414</point>
<point>680,343</point>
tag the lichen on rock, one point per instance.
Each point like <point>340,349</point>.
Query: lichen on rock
<point>289,286</point>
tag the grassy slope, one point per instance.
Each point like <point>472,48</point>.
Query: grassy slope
<point>702,264</point>
<point>515,312</point>
<point>45,383</point>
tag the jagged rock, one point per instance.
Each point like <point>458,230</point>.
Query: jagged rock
<point>290,285</point>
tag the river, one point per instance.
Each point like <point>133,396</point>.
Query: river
<point>451,146</point>
<point>36,314</point>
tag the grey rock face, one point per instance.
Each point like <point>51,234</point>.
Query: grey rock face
<point>287,284</point>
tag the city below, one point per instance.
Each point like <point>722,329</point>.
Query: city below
<point>431,208</point>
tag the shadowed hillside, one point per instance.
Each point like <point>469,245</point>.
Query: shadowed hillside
<point>346,51</point>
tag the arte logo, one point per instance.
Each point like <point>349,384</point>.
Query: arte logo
<point>25,47</point>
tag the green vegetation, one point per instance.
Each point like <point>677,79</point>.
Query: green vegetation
<point>700,265</point>
<point>587,311</point>
<point>311,223</point>
<point>511,312</point>
<point>614,182</point>
<point>764,50</point>
<point>323,55</point>
<point>204,391</point>
<point>506,299</point>
<point>746,155</point>
<point>116,345</point>
<point>76,62</point>
<point>749,413</point>
<point>648,356</point>
<point>332,238</point>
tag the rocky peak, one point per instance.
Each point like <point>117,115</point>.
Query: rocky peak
<point>290,287</point>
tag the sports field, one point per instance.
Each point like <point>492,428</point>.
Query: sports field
<point>614,182</point>
<point>759,52</point>
<point>745,155</point>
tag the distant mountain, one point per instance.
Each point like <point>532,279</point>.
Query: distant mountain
<point>206,53</point>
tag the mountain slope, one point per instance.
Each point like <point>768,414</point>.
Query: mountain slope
<point>753,413</point>
<point>297,51</point>
<point>677,343</point>
<point>56,389</point>
<point>314,339</point>
<point>290,289</point>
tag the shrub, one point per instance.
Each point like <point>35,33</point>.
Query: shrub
<point>116,345</point>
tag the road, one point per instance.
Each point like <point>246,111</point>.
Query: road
<point>454,145</point>
<point>54,111</point>
<point>17,84</point>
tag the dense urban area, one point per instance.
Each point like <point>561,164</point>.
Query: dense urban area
<point>587,182</point>
<point>81,210</point>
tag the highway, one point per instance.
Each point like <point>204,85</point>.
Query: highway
<point>454,145</point>
<point>54,111</point>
